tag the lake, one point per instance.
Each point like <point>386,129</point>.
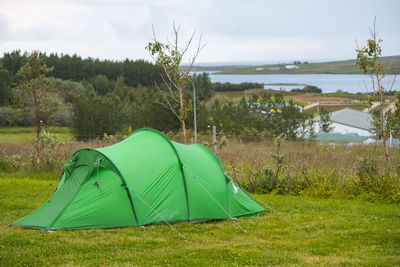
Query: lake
<point>329,83</point>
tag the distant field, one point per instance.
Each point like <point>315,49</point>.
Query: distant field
<point>391,64</point>
<point>18,135</point>
<point>300,98</point>
<point>235,95</point>
<point>307,231</point>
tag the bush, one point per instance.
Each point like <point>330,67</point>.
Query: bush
<point>95,115</point>
<point>65,116</point>
<point>308,89</point>
<point>14,161</point>
<point>358,177</point>
<point>50,145</point>
<point>11,116</point>
<point>223,87</point>
<point>6,116</point>
<point>4,165</point>
<point>261,182</point>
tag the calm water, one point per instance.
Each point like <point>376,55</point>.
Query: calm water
<point>352,83</point>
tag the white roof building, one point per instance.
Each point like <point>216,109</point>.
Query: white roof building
<point>291,67</point>
<point>350,121</point>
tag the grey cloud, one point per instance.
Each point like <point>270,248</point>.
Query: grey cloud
<point>3,30</point>
<point>113,27</point>
<point>35,33</point>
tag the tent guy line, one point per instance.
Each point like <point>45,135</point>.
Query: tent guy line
<point>159,215</point>
<point>227,213</point>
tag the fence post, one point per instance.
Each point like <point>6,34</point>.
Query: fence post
<point>214,138</point>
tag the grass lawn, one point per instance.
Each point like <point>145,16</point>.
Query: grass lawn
<point>235,95</point>
<point>238,95</point>
<point>21,135</point>
<point>326,231</point>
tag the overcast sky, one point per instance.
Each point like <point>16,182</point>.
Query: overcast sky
<point>232,31</point>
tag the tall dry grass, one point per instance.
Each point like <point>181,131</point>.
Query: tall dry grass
<point>322,170</point>
<point>309,167</point>
<point>304,156</point>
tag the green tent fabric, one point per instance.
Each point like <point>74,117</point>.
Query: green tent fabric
<point>144,179</point>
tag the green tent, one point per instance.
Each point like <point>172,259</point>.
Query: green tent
<point>141,180</point>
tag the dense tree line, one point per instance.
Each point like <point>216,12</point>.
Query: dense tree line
<point>265,116</point>
<point>308,89</point>
<point>137,107</point>
<point>223,87</point>
<point>5,85</point>
<point>107,97</point>
<point>75,68</point>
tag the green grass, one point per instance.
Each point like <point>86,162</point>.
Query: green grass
<point>20,135</point>
<point>238,95</point>
<point>391,63</point>
<point>326,232</point>
<point>338,94</point>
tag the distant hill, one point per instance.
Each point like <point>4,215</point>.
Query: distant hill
<point>391,64</point>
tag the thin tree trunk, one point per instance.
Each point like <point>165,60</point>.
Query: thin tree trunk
<point>37,145</point>
<point>38,126</point>
<point>382,124</point>
<point>382,115</point>
<point>182,115</point>
<point>183,131</point>
<point>378,70</point>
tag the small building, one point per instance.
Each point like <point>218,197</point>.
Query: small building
<point>291,67</point>
<point>350,138</point>
<point>350,121</point>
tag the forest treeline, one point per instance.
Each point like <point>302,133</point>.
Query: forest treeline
<point>103,96</point>
<point>76,68</point>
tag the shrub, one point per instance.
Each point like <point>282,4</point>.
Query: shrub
<point>6,116</point>
<point>308,89</point>
<point>50,144</point>
<point>4,165</point>
<point>14,161</point>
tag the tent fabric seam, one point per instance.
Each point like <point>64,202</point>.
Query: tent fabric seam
<point>118,173</point>
<point>72,199</point>
<point>180,163</point>
<point>124,183</point>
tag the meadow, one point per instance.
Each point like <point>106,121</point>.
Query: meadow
<point>300,231</point>
<point>307,168</point>
<point>25,135</point>
<point>328,101</point>
<point>328,205</point>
